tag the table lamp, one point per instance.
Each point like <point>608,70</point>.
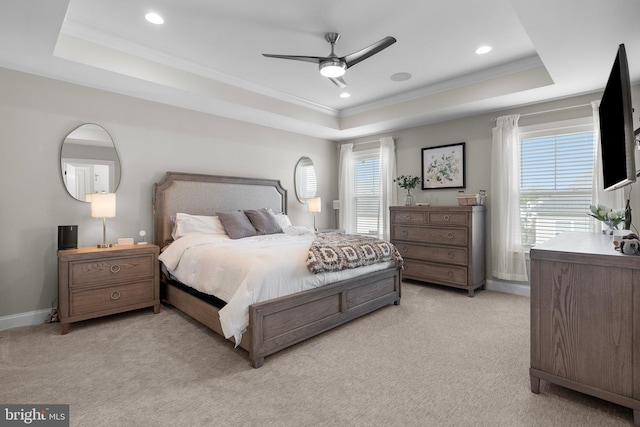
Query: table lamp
<point>103,205</point>
<point>315,206</point>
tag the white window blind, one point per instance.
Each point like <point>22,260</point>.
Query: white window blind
<point>555,184</point>
<point>367,191</point>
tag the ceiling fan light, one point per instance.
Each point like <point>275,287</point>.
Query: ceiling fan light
<point>332,68</point>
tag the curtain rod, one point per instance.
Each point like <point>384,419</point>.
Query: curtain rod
<point>550,111</point>
<point>367,142</point>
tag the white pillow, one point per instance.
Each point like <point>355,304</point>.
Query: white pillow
<point>187,224</point>
<point>283,219</point>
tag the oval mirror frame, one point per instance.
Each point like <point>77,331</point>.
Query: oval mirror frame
<point>89,162</point>
<point>305,180</point>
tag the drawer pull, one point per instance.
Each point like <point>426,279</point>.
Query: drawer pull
<point>450,273</point>
<point>115,295</point>
<point>405,249</point>
<point>404,232</point>
<point>450,235</point>
<point>450,254</point>
<point>446,218</point>
<point>115,268</point>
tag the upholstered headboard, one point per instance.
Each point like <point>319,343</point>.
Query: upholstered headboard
<point>198,194</point>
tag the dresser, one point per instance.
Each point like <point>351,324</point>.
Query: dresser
<point>585,318</point>
<point>441,244</point>
<point>95,282</point>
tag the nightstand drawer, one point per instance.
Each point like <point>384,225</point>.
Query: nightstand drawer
<point>446,236</point>
<point>433,253</point>
<point>437,273</point>
<point>112,297</point>
<point>111,270</point>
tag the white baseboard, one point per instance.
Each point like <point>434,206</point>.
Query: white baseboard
<point>508,287</point>
<point>24,319</point>
<point>39,316</point>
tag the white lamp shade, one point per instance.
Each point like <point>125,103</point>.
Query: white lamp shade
<point>103,205</point>
<point>315,205</point>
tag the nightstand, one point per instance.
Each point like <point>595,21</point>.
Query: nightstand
<point>95,282</point>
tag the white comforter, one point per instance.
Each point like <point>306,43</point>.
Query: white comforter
<point>246,271</point>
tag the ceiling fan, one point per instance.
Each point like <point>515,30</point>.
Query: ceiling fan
<point>334,67</point>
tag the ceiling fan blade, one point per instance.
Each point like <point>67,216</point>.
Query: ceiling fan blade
<point>314,59</point>
<point>355,57</point>
<point>338,81</point>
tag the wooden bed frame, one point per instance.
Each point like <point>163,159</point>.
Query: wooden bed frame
<point>278,323</point>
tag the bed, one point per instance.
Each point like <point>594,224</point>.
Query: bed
<point>276,323</point>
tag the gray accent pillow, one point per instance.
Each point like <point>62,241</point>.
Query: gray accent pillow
<point>236,224</point>
<point>263,221</point>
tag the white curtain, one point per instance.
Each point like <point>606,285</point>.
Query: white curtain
<point>613,199</point>
<point>507,252</point>
<point>345,189</point>
<point>388,189</point>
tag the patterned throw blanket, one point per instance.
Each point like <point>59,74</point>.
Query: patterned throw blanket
<point>337,251</point>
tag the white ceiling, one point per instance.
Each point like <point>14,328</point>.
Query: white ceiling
<point>207,55</point>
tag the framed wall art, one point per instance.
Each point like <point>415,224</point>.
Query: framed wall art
<point>443,166</point>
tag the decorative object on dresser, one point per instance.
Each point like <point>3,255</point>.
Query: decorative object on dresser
<point>443,166</point>
<point>407,182</point>
<point>441,244</point>
<point>585,318</point>
<point>67,236</point>
<point>95,282</point>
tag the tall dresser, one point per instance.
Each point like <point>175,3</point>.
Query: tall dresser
<point>441,244</point>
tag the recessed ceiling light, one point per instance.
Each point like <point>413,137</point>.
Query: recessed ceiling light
<point>345,95</point>
<point>483,49</point>
<point>154,18</point>
<point>400,77</point>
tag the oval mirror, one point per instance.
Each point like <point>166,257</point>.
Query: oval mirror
<point>305,183</point>
<point>89,162</point>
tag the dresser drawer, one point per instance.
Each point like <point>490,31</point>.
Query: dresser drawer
<point>111,270</point>
<point>437,273</point>
<point>409,217</point>
<point>433,253</point>
<point>446,236</point>
<point>111,297</point>
<point>454,218</point>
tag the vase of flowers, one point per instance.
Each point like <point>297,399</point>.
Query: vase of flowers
<point>611,217</point>
<point>407,182</point>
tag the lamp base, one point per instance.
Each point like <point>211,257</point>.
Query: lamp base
<point>105,245</point>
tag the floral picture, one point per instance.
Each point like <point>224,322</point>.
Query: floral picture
<point>443,167</point>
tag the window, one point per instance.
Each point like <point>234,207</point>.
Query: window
<point>367,191</point>
<point>556,173</point>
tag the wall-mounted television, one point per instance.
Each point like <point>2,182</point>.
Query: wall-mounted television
<point>617,140</point>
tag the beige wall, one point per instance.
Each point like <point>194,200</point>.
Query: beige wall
<point>36,114</point>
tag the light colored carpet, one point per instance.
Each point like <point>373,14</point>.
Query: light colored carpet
<point>438,359</point>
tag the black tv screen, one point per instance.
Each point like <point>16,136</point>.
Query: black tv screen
<point>617,140</point>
